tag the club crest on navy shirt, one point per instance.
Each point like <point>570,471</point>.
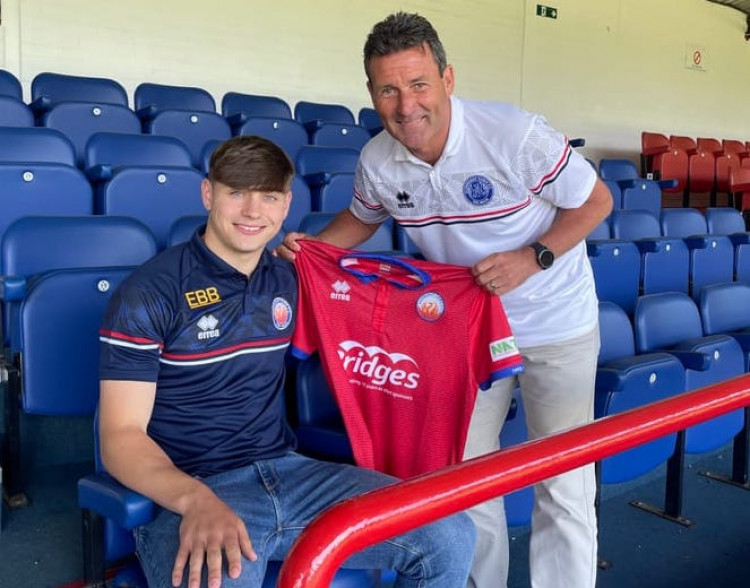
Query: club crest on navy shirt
<point>478,190</point>
<point>281,312</point>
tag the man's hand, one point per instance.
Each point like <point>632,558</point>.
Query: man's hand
<point>208,529</point>
<point>289,247</point>
<point>502,272</point>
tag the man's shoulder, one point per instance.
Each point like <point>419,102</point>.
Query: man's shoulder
<point>487,112</point>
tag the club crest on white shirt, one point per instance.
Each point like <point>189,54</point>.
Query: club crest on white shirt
<point>478,190</point>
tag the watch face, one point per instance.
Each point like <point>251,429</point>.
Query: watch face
<point>546,257</point>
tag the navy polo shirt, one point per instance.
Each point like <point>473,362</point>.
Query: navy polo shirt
<point>213,341</point>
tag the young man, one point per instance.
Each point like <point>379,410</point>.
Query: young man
<point>494,188</point>
<point>191,408</point>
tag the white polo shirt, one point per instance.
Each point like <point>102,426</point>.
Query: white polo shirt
<point>496,187</point>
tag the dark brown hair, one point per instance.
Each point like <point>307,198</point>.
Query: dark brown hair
<point>251,163</point>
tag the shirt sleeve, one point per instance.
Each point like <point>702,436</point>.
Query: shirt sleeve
<point>496,354</point>
<point>132,336</point>
<point>550,168</point>
<point>366,204</point>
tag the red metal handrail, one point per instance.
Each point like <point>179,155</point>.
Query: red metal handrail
<point>365,520</point>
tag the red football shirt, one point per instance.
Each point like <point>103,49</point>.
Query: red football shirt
<point>404,344</point>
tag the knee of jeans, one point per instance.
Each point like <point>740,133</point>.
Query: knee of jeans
<point>459,534</point>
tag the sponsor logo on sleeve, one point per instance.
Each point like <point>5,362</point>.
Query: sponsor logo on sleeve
<point>503,348</point>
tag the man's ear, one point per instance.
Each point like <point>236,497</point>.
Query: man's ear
<point>206,193</point>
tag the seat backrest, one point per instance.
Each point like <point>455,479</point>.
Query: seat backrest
<point>642,194</point>
<point>701,171</point>
<point>617,169</point>
<point>121,149</point>
<point>617,268</point>
<point>340,135</point>
<point>301,204</point>
<point>665,319</point>
<point>36,244</point>
<point>285,132</point>
<point>336,194</point>
<point>305,112</point>
<point>616,333</point>
<point>616,193</point>
<point>182,229</point>
<point>48,89</point>
<point>156,196</point>
<point>734,146</point>
<point>234,103</point>
<point>14,113</point>
<point>194,129</point>
<point>59,338</point>
<point>157,97</point>
<point>724,221</point>
<point>724,164</point>
<point>79,120</point>
<point>634,224</point>
<point>724,307</point>
<point>682,222</point>
<point>33,144</point>
<point>42,189</point>
<point>602,231</point>
<point>710,144</point>
<point>10,86</point>
<point>313,159</point>
<point>683,142</point>
<point>369,119</point>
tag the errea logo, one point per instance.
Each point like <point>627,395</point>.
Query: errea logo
<point>207,325</point>
<point>340,291</point>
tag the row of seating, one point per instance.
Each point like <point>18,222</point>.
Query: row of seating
<point>79,107</point>
<point>697,165</point>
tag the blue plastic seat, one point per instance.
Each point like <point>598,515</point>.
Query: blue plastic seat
<point>369,119</point>
<point>725,309</point>
<point>79,120</point>
<point>616,193</point>
<point>14,113</point>
<point>42,189</point>
<point>237,108</point>
<point>626,380</point>
<point>300,207</point>
<point>340,135</point>
<point>335,195</point>
<point>318,165</point>
<point>107,151</point>
<point>35,145</point>
<point>57,276</point>
<point>150,99</point>
<point>194,129</point>
<point>313,114</point>
<point>616,169</point>
<point>49,89</point>
<point>182,229</point>
<point>729,222</point>
<point>156,196</point>
<point>10,86</point>
<point>641,194</point>
<point>285,132</point>
<point>617,268</point>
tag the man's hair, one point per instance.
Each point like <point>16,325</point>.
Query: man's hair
<point>247,162</point>
<point>401,31</point>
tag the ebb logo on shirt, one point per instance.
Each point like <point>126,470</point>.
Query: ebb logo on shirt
<point>379,366</point>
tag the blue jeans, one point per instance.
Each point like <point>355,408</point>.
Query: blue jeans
<point>278,498</point>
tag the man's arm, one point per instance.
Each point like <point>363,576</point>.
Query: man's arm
<point>345,231</point>
<point>508,270</point>
<point>208,525</point>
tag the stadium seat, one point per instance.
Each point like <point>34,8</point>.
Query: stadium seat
<point>724,163</point>
<point>711,256</point>
<point>687,144</point>
<point>195,129</point>
<point>739,188</point>
<point>710,144</point>
<point>150,99</point>
<point>182,229</point>
<point>14,113</point>
<point>665,261</point>
<point>626,380</point>
<point>301,205</point>
<point>335,195</point>
<point>729,222</point>
<point>35,145</point>
<point>49,89</point>
<point>641,194</point>
<point>208,151</point>
<point>340,135</point>
<point>611,169</point>
<point>671,322</point>
<point>57,275</point>
<point>42,189</point>
<point>313,114</point>
<point>616,193</point>
<point>724,309</point>
<point>285,132</point>
<point>237,108</point>
<point>107,151</point>
<point>79,120</point>
<point>10,86</point>
<point>381,241</point>
<point>369,119</point>
<point>739,148</point>
<point>602,231</point>
<point>617,268</point>
<point>316,164</point>
<point>156,196</point>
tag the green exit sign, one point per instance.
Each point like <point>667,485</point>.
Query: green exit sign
<point>546,11</point>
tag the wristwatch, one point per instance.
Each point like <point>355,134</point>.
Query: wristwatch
<point>544,257</point>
